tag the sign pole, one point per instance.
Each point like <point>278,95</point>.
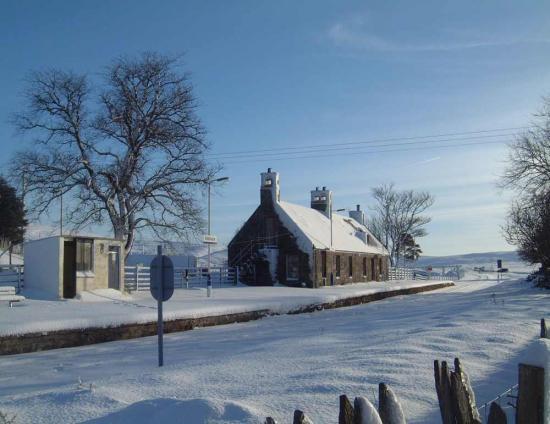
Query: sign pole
<point>160,321</point>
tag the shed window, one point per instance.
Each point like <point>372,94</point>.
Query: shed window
<point>292,267</point>
<point>268,182</point>
<point>338,266</point>
<point>84,255</point>
<point>350,266</point>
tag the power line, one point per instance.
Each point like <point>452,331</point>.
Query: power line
<point>380,140</point>
<point>372,151</point>
<point>405,143</point>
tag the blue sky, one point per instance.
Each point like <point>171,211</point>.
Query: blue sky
<point>278,74</point>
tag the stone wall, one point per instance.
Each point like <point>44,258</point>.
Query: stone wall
<point>380,272</point>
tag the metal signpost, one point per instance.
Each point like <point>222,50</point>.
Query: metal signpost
<point>209,239</point>
<point>162,289</point>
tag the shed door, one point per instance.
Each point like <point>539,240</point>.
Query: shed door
<point>114,267</point>
<point>69,269</point>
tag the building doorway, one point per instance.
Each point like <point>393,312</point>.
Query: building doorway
<point>69,269</point>
<point>114,267</point>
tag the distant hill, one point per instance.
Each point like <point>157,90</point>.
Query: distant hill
<point>469,258</point>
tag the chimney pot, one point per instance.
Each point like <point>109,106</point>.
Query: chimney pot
<point>317,188</point>
<point>268,169</point>
<point>324,188</point>
<point>358,207</point>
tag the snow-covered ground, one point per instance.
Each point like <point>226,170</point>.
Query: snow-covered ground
<point>241,373</point>
<point>107,307</point>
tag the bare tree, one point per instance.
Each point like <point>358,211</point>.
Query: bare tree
<point>129,151</point>
<point>528,173</point>
<point>528,168</point>
<point>528,228</point>
<point>398,215</point>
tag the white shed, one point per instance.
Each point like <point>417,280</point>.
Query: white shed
<point>63,266</point>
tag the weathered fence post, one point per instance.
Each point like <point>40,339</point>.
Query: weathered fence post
<point>270,420</point>
<point>496,415</point>
<point>365,412</point>
<point>137,277</point>
<point>346,415</point>
<point>455,395</point>
<point>463,396</point>
<point>388,406</point>
<point>543,329</point>
<point>18,278</point>
<point>530,408</point>
<point>443,389</point>
<point>300,418</point>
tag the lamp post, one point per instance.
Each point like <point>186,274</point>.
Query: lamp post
<point>209,288</point>
<point>331,211</point>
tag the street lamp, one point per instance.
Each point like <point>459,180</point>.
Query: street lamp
<point>333,210</point>
<point>209,182</point>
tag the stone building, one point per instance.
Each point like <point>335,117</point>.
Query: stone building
<point>64,266</point>
<point>300,246</point>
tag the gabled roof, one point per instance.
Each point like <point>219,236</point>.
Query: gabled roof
<point>311,227</point>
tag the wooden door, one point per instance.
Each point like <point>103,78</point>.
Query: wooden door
<point>114,267</point>
<point>69,269</point>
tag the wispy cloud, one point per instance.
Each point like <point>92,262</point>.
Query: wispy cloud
<point>355,34</point>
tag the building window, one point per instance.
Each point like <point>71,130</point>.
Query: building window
<point>364,267</point>
<point>338,266</point>
<point>84,255</point>
<point>292,267</point>
<point>380,270</point>
<point>350,266</point>
<point>324,263</point>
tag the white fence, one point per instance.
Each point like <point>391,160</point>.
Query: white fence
<point>137,278</point>
<point>12,275</point>
<point>415,274</point>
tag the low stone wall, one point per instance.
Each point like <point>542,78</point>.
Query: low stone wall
<point>34,342</point>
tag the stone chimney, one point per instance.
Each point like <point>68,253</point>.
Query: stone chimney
<point>270,189</point>
<point>321,200</point>
<point>358,215</point>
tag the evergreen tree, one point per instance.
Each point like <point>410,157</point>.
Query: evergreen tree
<point>12,215</point>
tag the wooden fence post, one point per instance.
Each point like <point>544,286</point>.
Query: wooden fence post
<point>496,415</point>
<point>137,277</point>
<point>388,406</point>
<point>443,389</point>
<point>543,329</point>
<point>455,395</point>
<point>462,397</point>
<point>300,418</point>
<point>530,406</point>
<point>270,420</point>
<point>346,415</point>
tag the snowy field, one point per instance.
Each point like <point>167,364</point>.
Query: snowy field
<point>241,373</point>
<point>103,308</point>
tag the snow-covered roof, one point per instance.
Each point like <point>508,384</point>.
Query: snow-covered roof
<point>312,228</point>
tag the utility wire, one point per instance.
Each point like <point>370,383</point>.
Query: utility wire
<point>222,154</point>
<point>357,148</point>
<point>366,152</point>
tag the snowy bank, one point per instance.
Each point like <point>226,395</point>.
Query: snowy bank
<point>102,309</point>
